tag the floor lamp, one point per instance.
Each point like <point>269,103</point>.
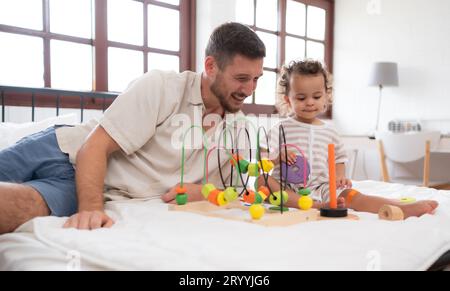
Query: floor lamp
<point>383,74</point>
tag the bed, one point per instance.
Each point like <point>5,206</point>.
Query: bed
<point>147,236</point>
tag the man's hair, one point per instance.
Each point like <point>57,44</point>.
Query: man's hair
<point>306,67</point>
<point>231,39</point>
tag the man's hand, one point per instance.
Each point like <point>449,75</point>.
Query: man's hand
<point>89,220</point>
<point>343,183</point>
<point>193,191</point>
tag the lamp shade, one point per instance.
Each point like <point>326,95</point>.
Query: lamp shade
<point>384,74</point>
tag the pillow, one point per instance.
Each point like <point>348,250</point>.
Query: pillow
<point>10,133</point>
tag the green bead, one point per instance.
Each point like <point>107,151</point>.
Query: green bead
<point>258,199</point>
<point>230,194</point>
<point>253,170</point>
<point>304,191</point>
<point>206,189</point>
<point>243,166</point>
<point>275,198</point>
<point>181,199</point>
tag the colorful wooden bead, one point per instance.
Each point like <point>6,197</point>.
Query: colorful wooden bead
<point>249,197</point>
<point>180,190</point>
<point>265,165</point>
<point>253,170</point>
<point>221,201</point>
<point>259,199</point>
<point>230,194</point>
<point>235,159</point>
<point>206,189</point>
<point>213,196</point>
<point>305,203</point>
<point>263,195</point>
<point>304,192</point>
<point>256,211</point>
<point>181,199</point>
<point>275,198</point>
<point>265,190</point>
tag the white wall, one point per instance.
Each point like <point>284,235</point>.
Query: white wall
<point>413,33</point>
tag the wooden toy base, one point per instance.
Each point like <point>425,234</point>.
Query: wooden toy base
<point>238,212</point>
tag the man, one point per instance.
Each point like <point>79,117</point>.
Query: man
<point>129,153</point>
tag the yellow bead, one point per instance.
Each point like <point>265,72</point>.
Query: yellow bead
<point>305,203</point>
<point>206,189</point>
<point>256,211</point>
<point>221,201</point>
<point>266,166</point>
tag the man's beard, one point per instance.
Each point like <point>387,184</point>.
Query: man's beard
<point>215,88</point>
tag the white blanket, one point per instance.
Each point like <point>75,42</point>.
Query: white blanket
<point>147,236</point>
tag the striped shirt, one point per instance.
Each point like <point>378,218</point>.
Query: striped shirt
<point>313,140</point>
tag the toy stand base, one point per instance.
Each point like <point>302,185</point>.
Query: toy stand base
<point>333,213</point>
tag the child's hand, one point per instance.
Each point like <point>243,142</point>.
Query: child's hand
<point>343,183</point>
<point>292,157</point>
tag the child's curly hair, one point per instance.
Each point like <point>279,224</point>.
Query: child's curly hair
<point>306,67</point>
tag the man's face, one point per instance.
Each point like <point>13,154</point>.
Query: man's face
<point>236,82</point>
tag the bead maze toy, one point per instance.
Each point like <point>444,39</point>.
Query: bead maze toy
<point>249,205</point>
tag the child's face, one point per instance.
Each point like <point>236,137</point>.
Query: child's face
<point>307,97</point>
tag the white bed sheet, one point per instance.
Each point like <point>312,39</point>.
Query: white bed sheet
<point>147,236</point>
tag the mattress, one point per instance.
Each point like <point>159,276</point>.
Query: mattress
<point>147,236</point>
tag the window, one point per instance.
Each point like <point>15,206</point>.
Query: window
<point>93,45</point>
<point>290,29</point>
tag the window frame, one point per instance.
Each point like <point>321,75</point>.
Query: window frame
<point>328,6</point>
<point>100,45</point>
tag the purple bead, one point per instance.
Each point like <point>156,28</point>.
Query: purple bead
<point>295,173</point>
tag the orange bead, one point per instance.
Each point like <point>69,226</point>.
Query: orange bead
<point>235,159</point>
<point>265,190</point>
<point>181,190</point>
<point>213,196</point>
<point>249,197</point>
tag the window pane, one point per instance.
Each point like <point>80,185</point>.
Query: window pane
<point>13,12</point>
<point>316,50</point>
<point>173,2</point>
<point>71,65</point>
<point>266,89</point>
<point>244,11</point>
<point>123,67</point>
<point>295,49</point>
<point>71,17</point>
<point>22,60</point>
<point>126,21</point>
<point>295,18</point>
<point>316,23</point>
<point>163,28</point>
<point>267,14</point>
<point>163,62</point>
<point>271,42</point>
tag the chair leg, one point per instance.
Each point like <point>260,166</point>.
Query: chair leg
<point>426,165</point>
<point>384,169</point>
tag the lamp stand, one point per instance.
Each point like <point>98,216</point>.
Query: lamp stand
<point>379,109</point>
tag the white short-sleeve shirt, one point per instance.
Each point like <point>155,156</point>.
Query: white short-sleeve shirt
<point>146,121</point>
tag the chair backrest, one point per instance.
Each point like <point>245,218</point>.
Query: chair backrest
<point>407,147</point>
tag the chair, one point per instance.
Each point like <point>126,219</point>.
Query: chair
<point>407,148</point>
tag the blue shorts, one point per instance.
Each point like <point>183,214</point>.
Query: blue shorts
<point>38,162</point>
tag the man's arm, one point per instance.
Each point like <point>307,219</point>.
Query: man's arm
<point>90,174</point>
